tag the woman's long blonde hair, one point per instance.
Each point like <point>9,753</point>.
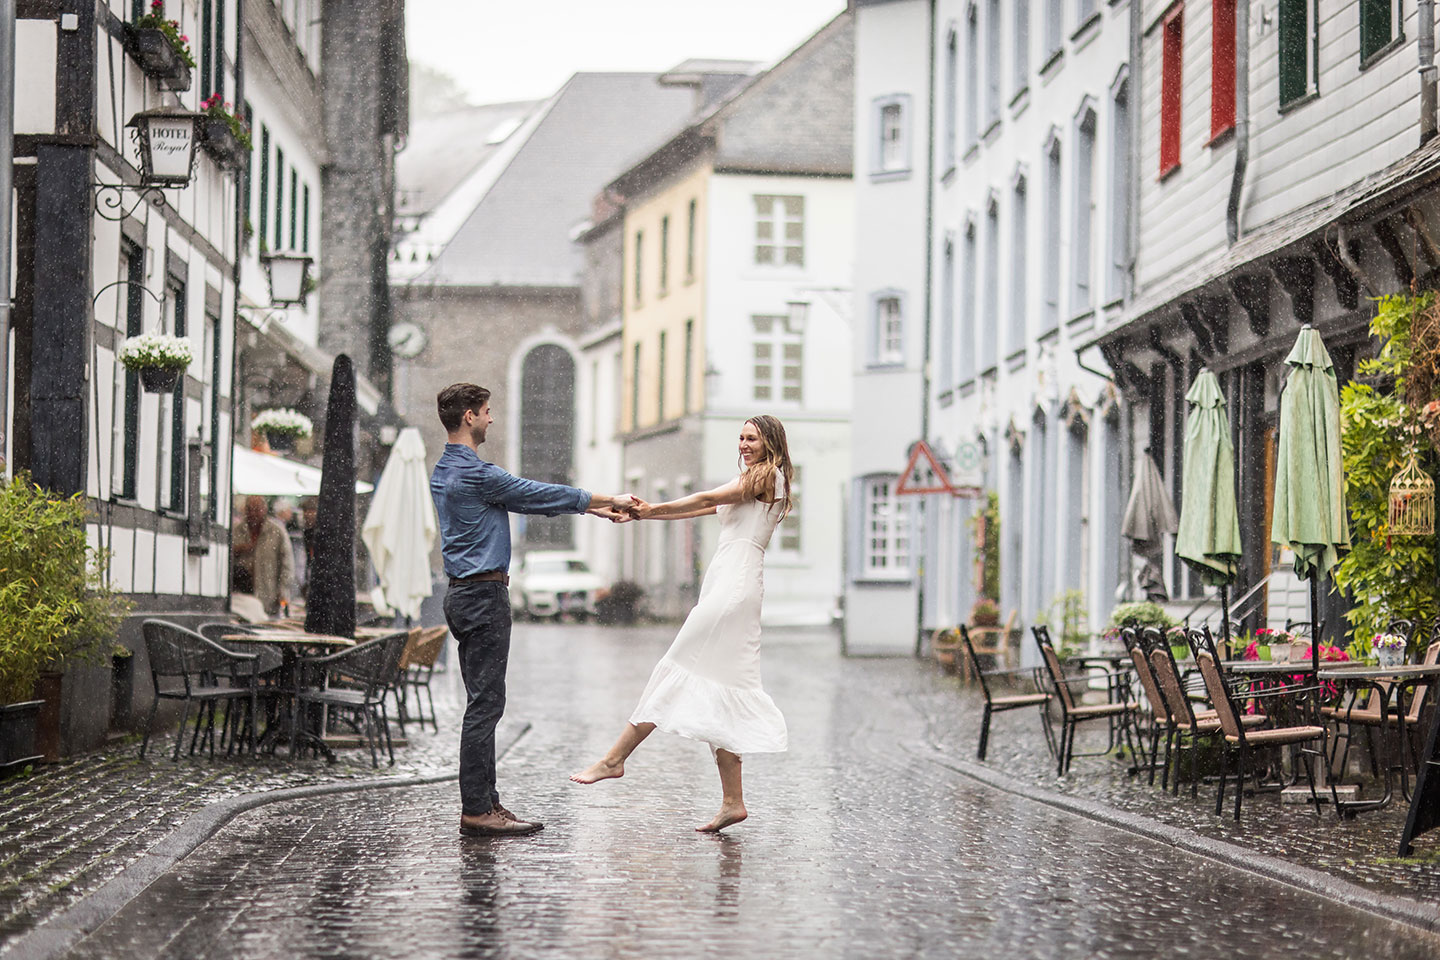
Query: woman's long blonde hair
<point>759,479</point>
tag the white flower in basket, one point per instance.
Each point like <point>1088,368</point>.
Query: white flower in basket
<point>1389,648</point>
<point>283,422</point>
<point>156,350</point>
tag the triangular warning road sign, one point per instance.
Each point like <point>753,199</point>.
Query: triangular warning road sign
<point>929,477</point>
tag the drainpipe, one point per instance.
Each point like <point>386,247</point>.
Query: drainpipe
<point>1242,119</point>
<point>1137,30</point>
<point>1426,11</point>
<point>929,311</point>
<point>7,174</point>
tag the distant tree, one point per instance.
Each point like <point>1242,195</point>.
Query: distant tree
<point>434,91</point>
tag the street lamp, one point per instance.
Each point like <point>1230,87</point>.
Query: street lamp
<point>167,141</point>
<point>289,277</point>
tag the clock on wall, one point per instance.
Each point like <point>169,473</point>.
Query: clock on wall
<point>406,340</point>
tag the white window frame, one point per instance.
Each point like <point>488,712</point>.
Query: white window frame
<point>894,164</point>
<point>1017,331</point>
<point>884,530</point>
<point>887,331</point>
<point>972,75</point>
<point>1082,214</point>
<point>994,42</point>
<point>1052,160</point>
<point>791,532</point>
<point>779,220</point>
<point>969,270</point>
<point>989,350</point>
<point>1054,28</point>
<point>782,382</point>
<point>1020,47</point>
<point>946,347</point>
<point>951,120</point>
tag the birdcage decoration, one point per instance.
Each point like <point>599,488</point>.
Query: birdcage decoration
<point>1412,502</point>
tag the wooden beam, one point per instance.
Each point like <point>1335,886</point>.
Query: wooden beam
<point>1347,290</point>
<point>1252,292</point>
<point>1297,279</point>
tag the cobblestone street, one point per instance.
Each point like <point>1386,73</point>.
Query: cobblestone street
<point>859,844</point>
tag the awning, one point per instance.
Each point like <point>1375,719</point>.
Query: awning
<point>266,475</point>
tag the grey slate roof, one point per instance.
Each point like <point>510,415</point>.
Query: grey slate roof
<point>443,148</point>
<point>519,234</point>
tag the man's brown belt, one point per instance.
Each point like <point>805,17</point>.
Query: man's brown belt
<point>489,576</point>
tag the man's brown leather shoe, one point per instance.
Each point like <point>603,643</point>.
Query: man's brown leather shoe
<point>493,824</point>
<point>514,819</point>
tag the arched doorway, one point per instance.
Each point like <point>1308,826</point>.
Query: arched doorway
<point>547,435</point>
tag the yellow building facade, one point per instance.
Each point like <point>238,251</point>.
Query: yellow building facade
<point>664,301</point>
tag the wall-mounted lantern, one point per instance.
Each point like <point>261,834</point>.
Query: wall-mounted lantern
<point>167,140</point>
<point>289,277</point>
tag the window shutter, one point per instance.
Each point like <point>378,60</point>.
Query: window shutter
<point>1222,68</point>
<point>1171,74</point>
<point>1294,51</point>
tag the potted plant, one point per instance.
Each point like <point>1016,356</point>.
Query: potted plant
<point>225,136</point>
<point>163,51</point>
<point>945,644</point>
<point>985,613</point>
<point>159,358</point>
<point>53,605</point>
<point>1389,649</point>
<point>282,427</point>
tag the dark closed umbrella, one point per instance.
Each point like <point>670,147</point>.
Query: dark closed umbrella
<point>1149,515</point>
<point>330,605</point>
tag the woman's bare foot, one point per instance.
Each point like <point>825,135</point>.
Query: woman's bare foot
<point>600,770</point>
<point>729,815</point>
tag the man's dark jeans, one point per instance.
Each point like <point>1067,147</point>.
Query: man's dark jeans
<point>479,619</point>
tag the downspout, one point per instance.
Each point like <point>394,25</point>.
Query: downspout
<point>7,177</point>
<point>929,310</point>
<point>1426,11</point>
<point>1242,119</point>
<point>1137,29</point>
<point>242,214</point>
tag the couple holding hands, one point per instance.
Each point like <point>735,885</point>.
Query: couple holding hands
<point>707,685</point>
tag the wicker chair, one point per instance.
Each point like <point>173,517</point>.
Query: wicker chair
<point>1118,714</point>
<point>417,667</point>
<point>185,666</point>
<point>994,704</point>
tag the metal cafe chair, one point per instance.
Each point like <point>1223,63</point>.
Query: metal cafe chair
<point>265,667</point>
<point>185,666</point>
<point>1243,742</point>
<point>1161,718</point>
<point>994,704</point>
<point>1118,714</point>
<point>356,681</point>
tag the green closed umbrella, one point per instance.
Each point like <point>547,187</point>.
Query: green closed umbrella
<point>1209,538</point>
<point>1310,514</point>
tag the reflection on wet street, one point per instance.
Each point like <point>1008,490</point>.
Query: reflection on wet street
<point>854,848</point>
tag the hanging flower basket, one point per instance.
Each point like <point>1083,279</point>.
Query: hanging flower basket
<point>1412,502</point>
<point>224,135</point>
<point>159,358</point>
<point>282,427</point>
<point>162,50</point>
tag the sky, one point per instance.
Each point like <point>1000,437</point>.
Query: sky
<point>501,51</point>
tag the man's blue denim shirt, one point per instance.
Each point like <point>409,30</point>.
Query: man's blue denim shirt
<point>474,499</point>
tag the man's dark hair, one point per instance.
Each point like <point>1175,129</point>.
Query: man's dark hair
<point>455,399</point>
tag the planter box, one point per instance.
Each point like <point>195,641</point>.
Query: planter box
<point>158,57</point>
<point>220,142</point>
<point>18,723</point>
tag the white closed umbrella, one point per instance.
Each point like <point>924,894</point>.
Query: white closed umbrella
<point>400,528</point>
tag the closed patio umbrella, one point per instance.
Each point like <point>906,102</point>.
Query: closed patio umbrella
<point>330,604</point>
<point>400,528</point>
<point>1310,514</point>
<point>1209,538</point>
<point>1149,515</point>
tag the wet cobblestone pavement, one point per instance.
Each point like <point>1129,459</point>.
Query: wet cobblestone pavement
<point>858,845</point>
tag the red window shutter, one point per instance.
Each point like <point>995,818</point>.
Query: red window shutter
<point>1171,72</point>
<point>1222,68</point>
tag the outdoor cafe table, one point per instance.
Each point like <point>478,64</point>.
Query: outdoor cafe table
<point>292,645</point>
<point>1385,682</point>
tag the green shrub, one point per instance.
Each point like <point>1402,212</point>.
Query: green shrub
<point>53,605</point>
<point>1142,614</point>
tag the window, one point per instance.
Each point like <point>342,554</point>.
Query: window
<point>1042,515</point>
<point>664,255</point>
<point>992,62</point>
<point>1084,10</point>
<point>1222,67</point>
<point>639,249</point>
<point>780,230</point>
<point>172,408</point>
<point>1015,341</point>
<point>1119,199</point>
<point>892,151</point>
<point>294,209</point>
<point>952,96</point>
<point>660,389</point>
<point>1021,59</point>
<point>212,48</point>
<point>886,530</point>
<point>689,378</point>
<point>279,199</point>
<point>1076,442</point>
<point>264,226</point>
<point>1379,20</point>
<point>947,316</point>
<point>635,389</point>
<point>889,329</point>
<point>969,267</point>
<point>1171,68</point>
<point>972,76</point>
<point>790,526</point>
<point>1081,232</point>
<point>778,359</point>
<point>1052,235</point>
<point>690,244</point>
<point>305,221</point>
<point>1297,46</point>
<point>989,334</point>
<point>547,433</point>
<point>127,426</point>
<point>214,348</point>
<point>1054,26</point>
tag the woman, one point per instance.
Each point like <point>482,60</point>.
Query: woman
<point>707,686</point>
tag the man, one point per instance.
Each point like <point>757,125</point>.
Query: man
<point>473,500</point>
<point>261,550</point>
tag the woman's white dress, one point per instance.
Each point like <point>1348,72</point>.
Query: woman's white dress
<point>707,686</point>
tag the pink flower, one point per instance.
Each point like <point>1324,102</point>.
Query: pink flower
<point>184,39</point>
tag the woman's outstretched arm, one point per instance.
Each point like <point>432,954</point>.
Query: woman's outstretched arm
<point>696,505</point>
